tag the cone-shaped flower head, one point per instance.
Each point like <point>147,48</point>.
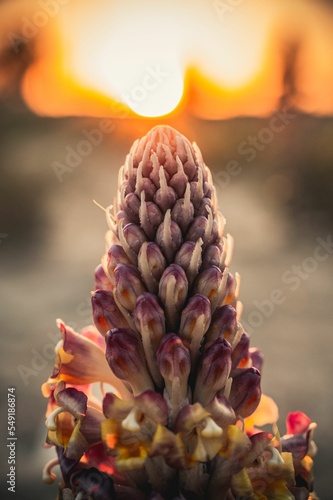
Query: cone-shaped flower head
<point>183,375</point>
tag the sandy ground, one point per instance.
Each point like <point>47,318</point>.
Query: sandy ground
<point>52,237</point>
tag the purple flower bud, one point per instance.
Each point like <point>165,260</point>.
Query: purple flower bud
<point>211,257</point>
<point>150,321</point>
<point>183,211</point>
<point>152,264</point>
<point>213,372</point>
<point>257,358</point>
<point>131,237</point>
<point>165,197</point>
<point>209,189</point>
<point>197,193</point>
<point>179,180</point>
<point>128,287</point>
<point>102,281</point>
<point>190,169</point>
<point>201,227</point>
<point>211,283</point>
<point>131,206</point>
<point>170,163</point>
<point>245,391</point>
<point>223,324</point>
<point>141,151</point>
<point>121,219</point>
<point>175,365</point>
<point>150,217</point>
<point>231,294</point>
<point>144,184</point>
<point>116,255</point>
<point>169,237</point>
<point>240,355</point>
<point>194,322</point>
<point>155,172</point>
<point>173,292</point>
<point>126,358</point>
<point>106,314</point>
<point>189,258</point>
<point>173,360</point>
<point>127,173</point>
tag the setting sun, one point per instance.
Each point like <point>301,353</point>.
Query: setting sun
<point>216,59</point>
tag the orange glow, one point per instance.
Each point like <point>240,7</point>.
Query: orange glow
<point>215,58</point>
<point>111,440</point>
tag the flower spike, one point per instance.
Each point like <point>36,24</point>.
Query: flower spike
<point>180,407</point>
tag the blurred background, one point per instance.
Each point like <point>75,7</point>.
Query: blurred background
<point>252,83</point>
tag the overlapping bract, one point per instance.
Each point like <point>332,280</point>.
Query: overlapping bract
<point>185,381</point>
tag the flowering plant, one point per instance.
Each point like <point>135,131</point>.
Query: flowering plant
<point>182,406</point>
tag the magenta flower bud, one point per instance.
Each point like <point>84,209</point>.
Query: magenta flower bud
<point>183,211</point>
<point>189,258</point>
<point>211,257</point>
<point>201,227</point>
<point>116,255</point>
<point>131,206</point>
<point>106,314</point>
<point>166,158</point>
<point>194,323</point>
<point>102,281</point>
<point>190,169</point>
<point>151,264</point>
<point>245,391</point>
<point>131,237</point>
<point>213,371</point>
<point>122,218</point>
<point>169,237</point>
<point>126,358</point>
<point>240,355</point>
<point>173,359</point>
<point>150,217</point>
<point>223,324</point>
<point>165,197</point>
<point>179,181</point>
<point>150,321</point>
<point>173,292</point>
<point>211,283</point>
<point>144,184</point>
<point>128,287</point>
<point>230,291</point>
<point>174,362</point>
<point>197,193</point>
<point>257,358</point>
<point>154,174</point>
<point>141,151</point>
